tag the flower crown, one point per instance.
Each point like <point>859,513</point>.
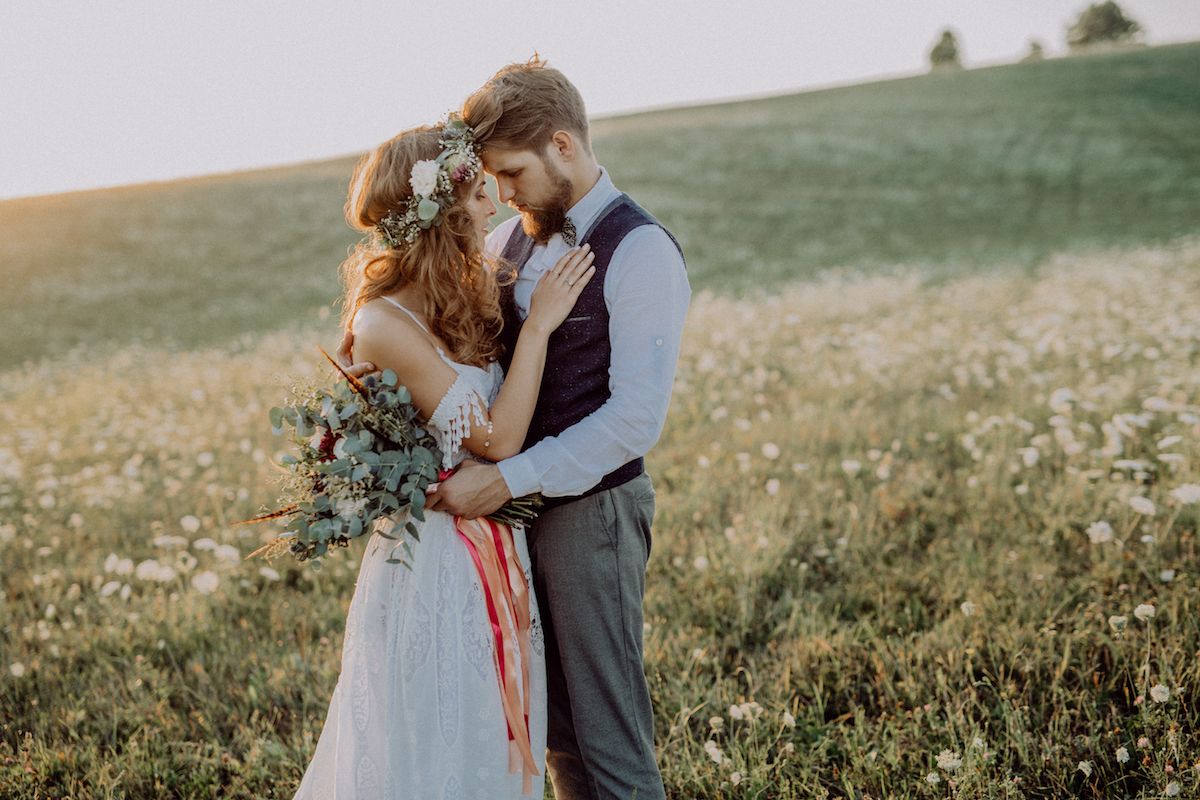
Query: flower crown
<point>433,183</point>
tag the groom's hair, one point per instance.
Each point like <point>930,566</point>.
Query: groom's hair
<point>522,105</point>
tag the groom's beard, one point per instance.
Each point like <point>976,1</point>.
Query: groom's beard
<point>542,223</point>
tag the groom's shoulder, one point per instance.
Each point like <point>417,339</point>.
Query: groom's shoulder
<point>644,232</point>
<point>498,238</point>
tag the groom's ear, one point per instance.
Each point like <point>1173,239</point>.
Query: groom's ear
<point>565,145</point>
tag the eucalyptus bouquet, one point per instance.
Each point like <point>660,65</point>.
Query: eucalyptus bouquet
<point>363,457</point>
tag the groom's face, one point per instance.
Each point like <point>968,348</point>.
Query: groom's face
<point>532,183</point>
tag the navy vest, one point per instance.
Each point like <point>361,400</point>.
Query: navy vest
<point>575,380</point>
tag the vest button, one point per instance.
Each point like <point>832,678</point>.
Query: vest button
<point>658,342</point>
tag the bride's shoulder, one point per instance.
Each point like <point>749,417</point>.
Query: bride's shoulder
<point>379,322</point>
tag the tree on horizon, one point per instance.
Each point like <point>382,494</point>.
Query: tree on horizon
<point>944,54</point>
<point>1103,23</point>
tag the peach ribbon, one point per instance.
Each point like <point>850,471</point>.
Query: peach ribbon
<point>491,547</point>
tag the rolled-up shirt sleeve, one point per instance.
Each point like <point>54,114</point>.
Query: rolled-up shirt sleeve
<point>647,294</point>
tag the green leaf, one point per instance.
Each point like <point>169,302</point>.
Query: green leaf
<point>427,209</point>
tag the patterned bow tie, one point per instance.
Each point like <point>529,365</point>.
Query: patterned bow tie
<point>568,232</point>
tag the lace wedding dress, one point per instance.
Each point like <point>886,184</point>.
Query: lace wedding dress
<point>417,711</point>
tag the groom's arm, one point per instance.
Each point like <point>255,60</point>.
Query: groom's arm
<point>647,294</point>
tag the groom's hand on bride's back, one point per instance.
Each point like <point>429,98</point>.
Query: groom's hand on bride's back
<point>476,490</point>
<point>345,357</point>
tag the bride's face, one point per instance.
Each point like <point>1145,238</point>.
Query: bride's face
<point>480,207</point>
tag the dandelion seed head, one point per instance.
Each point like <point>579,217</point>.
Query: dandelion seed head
<point>1142,505</point>
<point>949,760</point>
<point>1100,532</point>
<point>205,582</point>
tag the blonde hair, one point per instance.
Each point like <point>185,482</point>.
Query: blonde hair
<point>523,104</point>
<point>460,286</point>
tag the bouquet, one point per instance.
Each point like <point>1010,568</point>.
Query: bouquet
<point>362,457</point>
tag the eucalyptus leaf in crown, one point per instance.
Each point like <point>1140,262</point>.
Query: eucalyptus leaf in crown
<point>433,182</point>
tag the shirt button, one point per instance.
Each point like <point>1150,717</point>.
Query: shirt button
<point>658,342</point>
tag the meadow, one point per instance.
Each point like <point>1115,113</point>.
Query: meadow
<point>997,168</point>
<point>927,511</point>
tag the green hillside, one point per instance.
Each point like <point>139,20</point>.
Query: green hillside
<point>986,168</point>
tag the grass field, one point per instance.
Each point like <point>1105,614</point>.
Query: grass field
<point>992,168</point>
<point>927,525</point>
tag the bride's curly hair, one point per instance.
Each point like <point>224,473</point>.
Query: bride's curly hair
<point>460,283</point>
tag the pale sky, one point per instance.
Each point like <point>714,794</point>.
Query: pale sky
<point>122,91</point>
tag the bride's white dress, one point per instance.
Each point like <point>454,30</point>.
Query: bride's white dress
<point>417,711</point>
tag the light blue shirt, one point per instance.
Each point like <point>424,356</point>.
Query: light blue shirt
<point>647,293</point>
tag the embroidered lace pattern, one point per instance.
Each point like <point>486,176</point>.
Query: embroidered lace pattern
<point>451,421</point>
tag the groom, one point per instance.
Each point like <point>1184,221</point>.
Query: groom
<point>603,401</point>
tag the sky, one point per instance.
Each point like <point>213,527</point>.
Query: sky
<point>124,91</point>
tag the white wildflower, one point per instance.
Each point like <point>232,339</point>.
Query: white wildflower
<point>204,543</point>
<point>1172,789</point>
<point>1187,494</point>
<point>1122,755</point>
<point>147,570</point>
<point>851,467</point>
<point>772,487</point>
<point>735,778</point>
<point>16,669</point>
<point>170,541</point>
<point>1100,532</point>
<point>770,451</point>
<point>1085,767</point>
<point>1160,693</point>
<point>1061,400</point>
<point>268,573</point>
<point>227,552</point>
<point>1167,441</point>
<point>1144,612</point>
<point>1167,575</point>
<point>1142,505</point>
<point>205,459</point>
<point>700,563</point>
<point>716,723</point>
<point>714,752</point>
<point>949,760</point>
<point>205,582</point>
<point>190,523</point>
<point>1117,622</point>
<point>788,719</point>
<point>737,712</point>
<point>968,608</point>
<point>933,779</point>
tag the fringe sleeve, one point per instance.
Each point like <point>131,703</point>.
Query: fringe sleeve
<point>452,419</point>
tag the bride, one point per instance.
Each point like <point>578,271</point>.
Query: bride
<point>432,700</point>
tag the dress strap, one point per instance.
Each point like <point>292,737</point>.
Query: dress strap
<point>406,311</point>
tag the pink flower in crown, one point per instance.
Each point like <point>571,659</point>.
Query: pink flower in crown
<point>461,173</point>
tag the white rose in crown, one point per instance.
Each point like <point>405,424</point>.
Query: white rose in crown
<point>424,178</point>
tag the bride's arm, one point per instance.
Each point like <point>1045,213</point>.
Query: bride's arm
<point>510,414</point>
<point>383,338</point>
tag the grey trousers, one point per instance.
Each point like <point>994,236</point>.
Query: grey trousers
<point>589,571</point>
